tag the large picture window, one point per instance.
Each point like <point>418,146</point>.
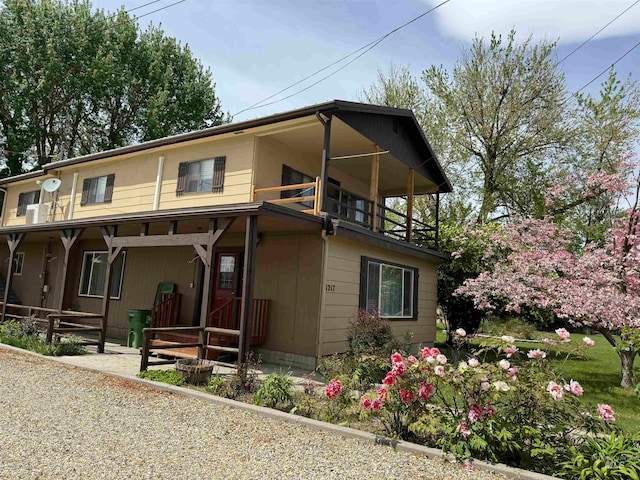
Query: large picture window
<point>94,274</point>
<point>388,288</point>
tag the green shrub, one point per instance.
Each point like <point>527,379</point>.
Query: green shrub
<point>614,457</point>
<point>276,389</point>
<point>164,376</point>
<point>514,326</point>
<point>245,381</point>
<point>217,386</point>
<point>26,335</point>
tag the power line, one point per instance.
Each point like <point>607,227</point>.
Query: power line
<point>151,3</point>
<point>366,48</point>
<point>159,9</point>
<point>598,32</point>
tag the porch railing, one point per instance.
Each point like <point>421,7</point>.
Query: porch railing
<point>227,316</point>
<point>302,196</point>
<point>165,313</point>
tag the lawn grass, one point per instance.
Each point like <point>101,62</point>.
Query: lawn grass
<point>598,373</point>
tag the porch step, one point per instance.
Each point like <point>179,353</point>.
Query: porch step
<point>184,352</point>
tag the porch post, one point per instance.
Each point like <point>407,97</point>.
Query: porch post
<point>246,309</point>
<point>373,189</point>
<point>13,240</point>
<point>109,233</point>
<point>437,218</point>
<point>209,269</point>
<point>68,238</point>
<point>410,189</point>
<point>326,152</point>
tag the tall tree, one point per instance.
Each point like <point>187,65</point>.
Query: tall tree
<point>74,81</point>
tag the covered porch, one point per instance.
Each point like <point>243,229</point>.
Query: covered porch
<point>210,253</point>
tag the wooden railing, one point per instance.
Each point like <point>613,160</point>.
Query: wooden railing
<point>227,316</point>
<point>148,337</point>
<point>165,313</point>
<point>394,224</point>
<point>65,322</point>
<point>303,187</point>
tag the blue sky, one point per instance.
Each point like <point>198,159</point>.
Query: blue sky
<point>256,47</point>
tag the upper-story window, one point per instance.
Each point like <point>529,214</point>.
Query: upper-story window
<point>294,177</point>
<point>201,176</point>
<point>97,190</point>
<point>27,198</point>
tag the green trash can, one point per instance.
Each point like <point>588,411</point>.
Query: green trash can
<point>138,319</point>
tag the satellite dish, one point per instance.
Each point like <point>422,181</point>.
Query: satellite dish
<point>51,184</point>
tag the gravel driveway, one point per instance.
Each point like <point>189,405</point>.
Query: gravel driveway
<point>61,422</point>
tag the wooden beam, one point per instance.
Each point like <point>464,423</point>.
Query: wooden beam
<point>437,218</point>
<point>13,240</point>
<point>326,155</point>
<point>68,238</point>
<point>410,188</point>
<point>246,308</point>
<point>175,240</point>
<point>144,229</point>
<point>109,235</point>
<point>373,190</point>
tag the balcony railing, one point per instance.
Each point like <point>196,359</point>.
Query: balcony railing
<point>345,205</point>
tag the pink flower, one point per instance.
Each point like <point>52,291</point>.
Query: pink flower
<point>485,386</point>
<point>435,352</point>
<point>425,391</point>
<point>504,364</point>
<point>411,360</point>
<point>562,333</point>
<point>489,410</point>
<point>467,467</point>
<point>606,412</point>
<point>396,358</point>
<point>397,369</point>
<point>537,354</point>
<point>510,350</point>
<point>575,388</point>
<point>389,379</point>
<point>441,359</point>
<point>513,371</point>
<point>555,390</point>
<point>473,362</point>
<point>501,386</point>
<point>376,405</point>
<point>588,342</point>
<point>430,360</point>
<point>548,341</point>
<point>475,413</point>
<point>365,403</point>
<point>439,370</point>
<point>463,428</point>
<point>461,332</point>
<point>406,396</point>
<point>426,352</point>
<point>333,389</point>
<point>383,394</point>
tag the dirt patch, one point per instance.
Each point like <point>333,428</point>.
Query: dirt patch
<point>130,385</point>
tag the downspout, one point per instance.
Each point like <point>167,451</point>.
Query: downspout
<point>72,200</point>
<point>323,294</point>
<point>4,206</point>
<point>156,197</point>
<point>326,152</point>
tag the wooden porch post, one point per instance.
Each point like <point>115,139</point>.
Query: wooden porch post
<point>437,218</point>
<point>246,309</point>
<point>410,188</point>
<point>109,233</point>
<point>373,189</point>
<point>68,238</point>
<point>216,230</point>
<point>13,240</point>
<point>326,153</point>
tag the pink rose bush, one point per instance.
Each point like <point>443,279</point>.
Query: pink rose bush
<point>474,409</point>
<point>333,389</point>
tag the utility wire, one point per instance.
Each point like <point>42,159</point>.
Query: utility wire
<point>598,32</point>
<point>366,48</point>
<point>151,3</point>
<point>159,9</point>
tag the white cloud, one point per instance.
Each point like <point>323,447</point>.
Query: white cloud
<point>571,21</point>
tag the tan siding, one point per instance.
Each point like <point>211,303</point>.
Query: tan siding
<point>288,271</point>
<point>343,272</point>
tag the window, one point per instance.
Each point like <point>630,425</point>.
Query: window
<point>94,274</point>
<point>27,198</point>
<point>97,190</point>
<point>18,263</point>
<point>227,271</point>
<point>389,289</point>
<point>294,177</point>
<point>201,176</point>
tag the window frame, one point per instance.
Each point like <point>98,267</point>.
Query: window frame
<point>82,270</point>
<point>36,200</point>
<point>107,194</point>
<point>300,191</point>
<point>364,284</point>
<point>216,179</point>
<point>17,262</point>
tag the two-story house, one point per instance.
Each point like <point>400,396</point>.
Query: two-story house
<point>279,222</point>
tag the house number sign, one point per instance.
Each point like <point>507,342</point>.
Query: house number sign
<point>330,287</point>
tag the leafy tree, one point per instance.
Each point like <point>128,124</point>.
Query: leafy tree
<point>75,80</point>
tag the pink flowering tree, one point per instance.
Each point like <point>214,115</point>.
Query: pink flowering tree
<point>597,286</point>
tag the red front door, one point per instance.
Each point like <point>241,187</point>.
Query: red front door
<point>227,278</point>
